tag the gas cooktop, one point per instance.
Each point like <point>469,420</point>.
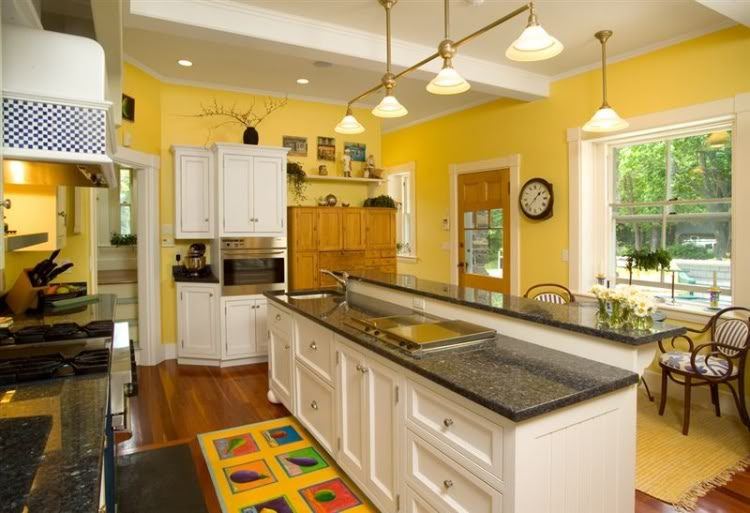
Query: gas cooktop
<point>55,332</point>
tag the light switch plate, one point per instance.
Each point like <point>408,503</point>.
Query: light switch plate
<point>564,255</point>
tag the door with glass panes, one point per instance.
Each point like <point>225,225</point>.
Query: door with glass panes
<point>483,224</point>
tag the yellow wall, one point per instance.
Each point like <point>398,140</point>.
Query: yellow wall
<point>708,68</point>
<point>163,118</point>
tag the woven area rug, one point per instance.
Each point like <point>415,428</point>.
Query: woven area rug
<point>679,469</point>
<point>276,467</point>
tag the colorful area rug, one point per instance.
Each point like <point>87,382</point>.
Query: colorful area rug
<point>276,467</point>
<point>680,469</point>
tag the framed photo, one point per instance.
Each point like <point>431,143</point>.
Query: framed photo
<point>297,145</point>
<point>357,151</point>
<point>327,148</point>
<point>128,108</point>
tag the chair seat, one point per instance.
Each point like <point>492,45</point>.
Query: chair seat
<point>680,361</point>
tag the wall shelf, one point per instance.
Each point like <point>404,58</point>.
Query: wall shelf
<point>344,179</point>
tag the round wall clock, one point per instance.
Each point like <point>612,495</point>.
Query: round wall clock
<point>536,199</point>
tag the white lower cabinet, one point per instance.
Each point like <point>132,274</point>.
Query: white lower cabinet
<point>280,355</point>
<point>243,328</point>
<point>315,406</point>
<point>198,321</point>
<point>413,503</point>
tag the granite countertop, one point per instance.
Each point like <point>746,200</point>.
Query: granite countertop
<point>579,317</point>
<point>102,309</point>
<point>181,276</point>
<point>517,379</point>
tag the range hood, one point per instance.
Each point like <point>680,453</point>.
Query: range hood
<point>55,117</point>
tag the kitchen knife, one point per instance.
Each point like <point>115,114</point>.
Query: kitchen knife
<point>54,255</point>
<point>56,272</point>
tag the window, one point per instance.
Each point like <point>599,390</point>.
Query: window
<point>675,194</point>
<point>401,189</point>
<point>127,220</point>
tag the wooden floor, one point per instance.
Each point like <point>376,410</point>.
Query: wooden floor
<point>175,403</point>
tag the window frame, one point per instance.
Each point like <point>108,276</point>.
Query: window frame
<point>407,170</point>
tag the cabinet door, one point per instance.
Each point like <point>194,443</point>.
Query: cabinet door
<point>304,227</point>
<point>238,328</point>
<point>193,202</point>
<point>269,182</point>
<point>280,366</point>
<point>381,228</point>
<point>237,194</point>
<point>329,229</point>
<point>351,413</point>
<point>381,474</point>
<point>354,224</point>
<point>198,322</point>
<point>305,271</point>
<point>261,327</point>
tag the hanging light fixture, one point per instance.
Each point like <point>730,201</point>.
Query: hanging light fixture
<point>534,43</point>
<point>349,124</point>
<point>605,119</point>
<point>389,106</point>
<point>448,81</point>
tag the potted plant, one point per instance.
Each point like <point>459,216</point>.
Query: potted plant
<point>247,118</point>
<point>297,179</point>
<point>644,260</point>
<point>383,201</point>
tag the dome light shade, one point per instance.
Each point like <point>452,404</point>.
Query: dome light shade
<point>448,81</point>
<point>605,120</point>
<point>349,124</point>
<point>534,44</point>
<point>389,107</point>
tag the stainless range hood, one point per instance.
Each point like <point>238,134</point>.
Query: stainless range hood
<point>55,116</point>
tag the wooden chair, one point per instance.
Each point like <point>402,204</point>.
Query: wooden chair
<point>550,293</point>
<point>719,361</point>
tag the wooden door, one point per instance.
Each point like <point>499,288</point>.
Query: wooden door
<point>237,194</point>
<point>484,230</point>
<point>193,197</point>
<point>354,228</point>
<point>381,228</point>
<point>305,271</point>
<point>197,316</point>
<point>269,181</point>
<point>330,235</point>
<point>238,328</point>
<point>304,228</point>
<point>352,450</point>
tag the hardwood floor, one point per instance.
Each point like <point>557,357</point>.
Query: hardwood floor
<point>175,403</point>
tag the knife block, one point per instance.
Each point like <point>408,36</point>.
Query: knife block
<point>23,295</point>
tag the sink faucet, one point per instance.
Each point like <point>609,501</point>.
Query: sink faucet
<point>342,280</point>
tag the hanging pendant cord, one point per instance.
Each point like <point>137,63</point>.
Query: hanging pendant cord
<point>447,17</point>
<point>604,74</point>
<point>388,38</point>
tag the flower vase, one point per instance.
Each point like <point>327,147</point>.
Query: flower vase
<point>617,315</point>
<point>602,314</point>
<point>643,323</point>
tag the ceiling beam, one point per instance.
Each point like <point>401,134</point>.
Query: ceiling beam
<point>107,17</point>
<point>734,10</point>
<point>340,44</point>
<point>22,12</point>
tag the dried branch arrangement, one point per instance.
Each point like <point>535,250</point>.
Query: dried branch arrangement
<point>248,118</point>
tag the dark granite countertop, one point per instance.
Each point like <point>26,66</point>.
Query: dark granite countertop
<point>181,276</point>
<point>101,309</point>
<point>579,317</point>
<point>517,379</point>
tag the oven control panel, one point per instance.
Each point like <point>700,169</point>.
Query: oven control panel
<point>254,243</point>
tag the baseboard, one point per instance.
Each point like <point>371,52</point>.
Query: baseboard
<point>244,361</point>
<point>169,351</point>
<point>699,395</point>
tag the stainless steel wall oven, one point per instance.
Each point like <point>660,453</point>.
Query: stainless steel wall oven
<point>253,265</point>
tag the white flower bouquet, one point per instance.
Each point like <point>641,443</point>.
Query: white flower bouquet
<point>624,306</point>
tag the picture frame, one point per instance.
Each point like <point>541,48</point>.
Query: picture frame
<point>357,151</point>
<point>128,108</point>
<point>297,145</point>
<point>327,148</point>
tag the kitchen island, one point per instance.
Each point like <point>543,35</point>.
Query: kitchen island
<point>504,425</point>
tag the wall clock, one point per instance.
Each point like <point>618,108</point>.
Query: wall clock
<point>536,199</point>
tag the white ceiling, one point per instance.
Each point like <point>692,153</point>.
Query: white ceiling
<point>233,51</point>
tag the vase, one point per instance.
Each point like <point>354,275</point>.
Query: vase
<point>250,135</point>
<point>643,323</point>
<point>617,315</point>
<point>602,314</point>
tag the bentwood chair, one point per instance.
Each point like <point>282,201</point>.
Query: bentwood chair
<point>721,360</point>
<point>550,293</point>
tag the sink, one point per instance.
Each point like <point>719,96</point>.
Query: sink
<point>313,295</point>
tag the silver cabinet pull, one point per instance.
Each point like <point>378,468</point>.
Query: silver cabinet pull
<point>447,483</point>
<point>363,369</point>
<point>278,317</point>
<point>313,346</point>
<point>205,220</point>
<point>286,346</point>
<point>314,405</point>
<point>448,422</point>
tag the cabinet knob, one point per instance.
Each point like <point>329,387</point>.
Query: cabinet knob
<point>448,422</point>
<point>278,317</point>
<point>286,346</point>
<point>206,220</point>
<point>363,369</point>
<point>447,483</point>
<point>314,405</point>
<point>313,346</point>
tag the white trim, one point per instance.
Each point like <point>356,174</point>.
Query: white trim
<point>440,114</point>
<point>93,241</point>
<point>587,187</point>
<point>409,169</point>
<point>513,163</point>
<point>149,259</point>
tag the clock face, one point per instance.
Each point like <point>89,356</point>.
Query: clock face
<point>536,198</point>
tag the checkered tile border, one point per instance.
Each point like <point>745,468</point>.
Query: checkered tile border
<point>53,127</point>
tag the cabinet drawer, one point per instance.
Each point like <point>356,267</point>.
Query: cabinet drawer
<point>279,319</point>
<point>474,437</point>
<point>315,348</point>
<point>446,483</point>
<point>415,504</point>
<point>315,406</point>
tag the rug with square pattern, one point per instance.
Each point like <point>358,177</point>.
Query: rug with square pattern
<point>277,467</point>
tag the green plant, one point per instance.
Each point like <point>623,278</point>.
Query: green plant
<point>690,252</point>
<point>647,261</point>
<point>383,200</point>
<point>118,240</point>
<point>297,179</point>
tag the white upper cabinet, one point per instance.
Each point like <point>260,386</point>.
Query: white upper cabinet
<point>194,193</point>
<point>252,190</point>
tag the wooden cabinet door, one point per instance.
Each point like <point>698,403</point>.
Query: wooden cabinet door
<point>280,366</point>
<point>381,228</point>
<point>198,321</point>
<point>330,235</point>
<point>269,183</point>
<point>238,328</point>
<point>304,228</point>
<point>237,195</point>
<point>351,405</point>
<point>193,196</point>
<point>261,327</point>
<point>305,271</point>
<point>354,228</point>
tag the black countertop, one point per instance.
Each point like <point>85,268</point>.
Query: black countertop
<point>579,317</point>
<point>517,379</point>
<point>180,275</point>
<point>102,308</point>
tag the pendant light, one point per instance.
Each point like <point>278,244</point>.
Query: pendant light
<point>448,80</point>
<point>605,119</point>
<point>389,106</point>
<point>349,124</point>
<point>534,43</point>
